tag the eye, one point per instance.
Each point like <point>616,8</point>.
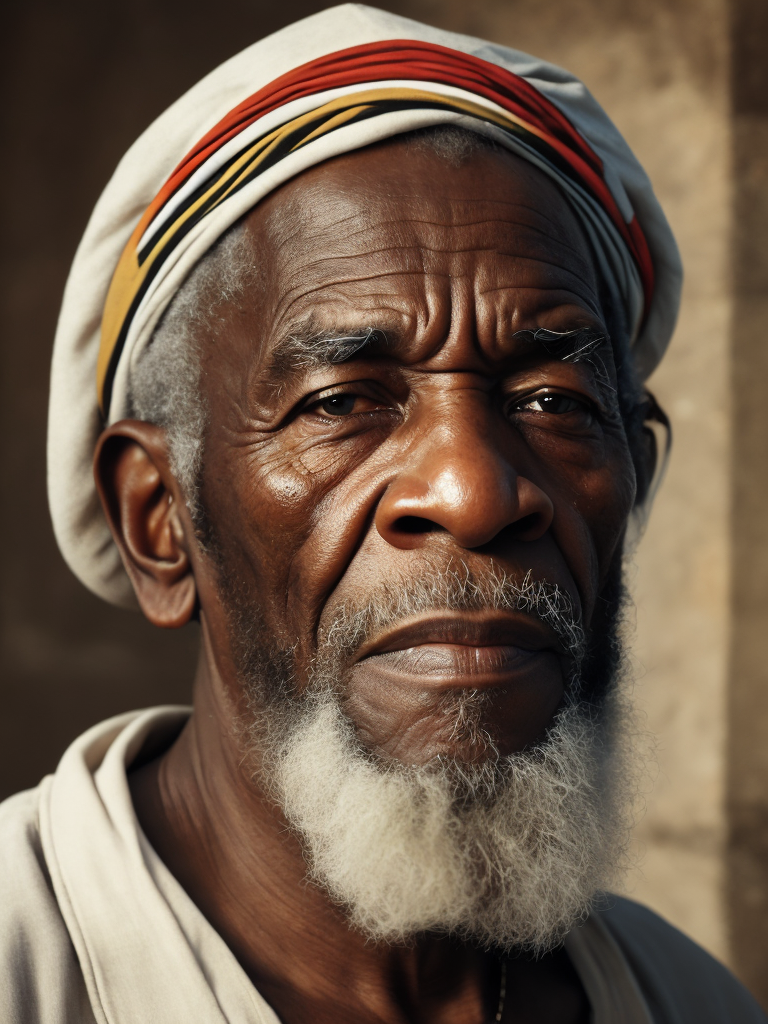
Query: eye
<point>338,405</point>
<point>341,404</point>
<point>554,404</point>
<point>558,409</point>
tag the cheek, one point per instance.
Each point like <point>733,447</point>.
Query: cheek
<point>594,509</point>
<point>613,499</point>
<point>286,524</point>
<point>258,509</point>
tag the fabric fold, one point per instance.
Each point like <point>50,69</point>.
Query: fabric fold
<point>146,951</point>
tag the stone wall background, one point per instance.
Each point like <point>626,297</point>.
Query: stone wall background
<point>686,83</point>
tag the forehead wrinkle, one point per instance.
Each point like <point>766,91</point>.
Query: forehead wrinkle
<point>342,257</point>
<point>561,243</point>
<point>495,250</point>
<point>551,241</point>
<point>560,286</point>
<point>557,236</point>
<point>399,225</point>
<point>288,220</point>
<point>418,198</point>
<point>431,298</point>
<point>364,279</point>
<point>593,302</point>
<point>436,203</point>
<point>420,250</point>
<point>416,246</point>
<point>540,260</point>
<point>538,212</point>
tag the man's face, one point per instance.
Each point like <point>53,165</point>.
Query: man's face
<point>382,414</point>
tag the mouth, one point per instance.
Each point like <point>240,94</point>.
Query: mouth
<point>399,680</point>
<point>463,649</point>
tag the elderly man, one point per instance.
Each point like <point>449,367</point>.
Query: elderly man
<point>354,342</point>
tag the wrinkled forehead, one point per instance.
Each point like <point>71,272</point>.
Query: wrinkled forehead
<point>394,236</point>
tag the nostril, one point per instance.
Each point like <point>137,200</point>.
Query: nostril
<point>416,524</point>
<point>529,524</point>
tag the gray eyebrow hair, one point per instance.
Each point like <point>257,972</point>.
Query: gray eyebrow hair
<point>310,348</point>
<point>570,346</point>
<point>577,346</point>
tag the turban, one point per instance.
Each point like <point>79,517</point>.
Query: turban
<point>332,83</point>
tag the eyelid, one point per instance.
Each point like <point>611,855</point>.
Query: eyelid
<point>579,380</point>
<point>344,388</point>
<point>549,389</point>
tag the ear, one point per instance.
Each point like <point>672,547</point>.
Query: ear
<point>646,460</point>
<point>150,523</point>
<point>653,450</point>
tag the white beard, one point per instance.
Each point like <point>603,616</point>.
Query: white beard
<point>511,852</point>
<point>515,860</point>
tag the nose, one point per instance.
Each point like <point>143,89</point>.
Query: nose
<point>457,480</point>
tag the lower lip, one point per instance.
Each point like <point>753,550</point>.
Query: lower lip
<point>460,665</point>
<point>395,698</point>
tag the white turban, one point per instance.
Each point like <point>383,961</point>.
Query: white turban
<point>332,83</point>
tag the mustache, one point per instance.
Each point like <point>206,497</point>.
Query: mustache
<point>455,589</point>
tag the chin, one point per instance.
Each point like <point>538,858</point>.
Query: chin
<point>466,726</point>
<point>509,850</point>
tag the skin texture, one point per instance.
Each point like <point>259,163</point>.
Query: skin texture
<point>433,445</point>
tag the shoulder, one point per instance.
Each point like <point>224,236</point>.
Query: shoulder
<point>40,979</point>
<point>681,982</point>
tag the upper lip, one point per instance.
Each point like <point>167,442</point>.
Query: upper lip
<point>473,629</point>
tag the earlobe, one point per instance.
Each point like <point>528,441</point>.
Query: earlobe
<point>148,518</point>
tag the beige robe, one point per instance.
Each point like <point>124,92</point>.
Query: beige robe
<point>94,928</point>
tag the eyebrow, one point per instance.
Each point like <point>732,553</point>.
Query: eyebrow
<point>574,346</point>
<point>309,347</point>
<point>581,345</point>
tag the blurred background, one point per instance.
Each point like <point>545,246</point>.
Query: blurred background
<point>687,83</point>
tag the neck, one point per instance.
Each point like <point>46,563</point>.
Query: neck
<point>231,849</point>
